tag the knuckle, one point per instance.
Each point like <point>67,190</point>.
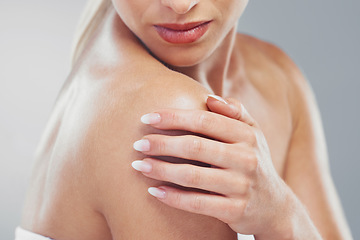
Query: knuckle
<point>230,211</point>
<point>239,207</point>
<point>238,150</point>
<point>251,162</point>
<point>193,178</point>
<point>205,122</point>
<point>173,118</point>
<point>250,136</point>
<point>245,188</point>
<point>197,204</point>
<point>161,172</point>
<point>236,113</point>
<point>195,147</point>
<point>177,200</point>
<point>221,154</point>
<point>161,146</point>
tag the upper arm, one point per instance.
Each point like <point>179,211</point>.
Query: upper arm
<point>120,191</point>
<point>307,170</point>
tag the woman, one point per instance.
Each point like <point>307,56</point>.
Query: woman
<point>135,117</point>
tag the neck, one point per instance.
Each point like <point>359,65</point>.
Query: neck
<point>213,72</point>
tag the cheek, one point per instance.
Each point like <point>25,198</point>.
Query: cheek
<point>235,9</point>
<point>231,13</point>
<point>129,11</point>
<point>232,7</point>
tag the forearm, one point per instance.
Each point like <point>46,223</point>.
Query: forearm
<point>292,221</point>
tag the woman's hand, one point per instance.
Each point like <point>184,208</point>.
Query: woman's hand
<point>244,189</point>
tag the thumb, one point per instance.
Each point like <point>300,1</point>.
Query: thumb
<point>231,108</point>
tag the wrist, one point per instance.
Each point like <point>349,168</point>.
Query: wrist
<point>282,222</point>
<point>290,221</point>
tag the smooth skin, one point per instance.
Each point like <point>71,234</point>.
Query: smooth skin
<point>263,172</point>
<point>242,171</point>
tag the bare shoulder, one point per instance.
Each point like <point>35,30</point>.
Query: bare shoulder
<point>119,192</point>
<point>269,50</point>
<point>272,53</point>
<point>267,55</point>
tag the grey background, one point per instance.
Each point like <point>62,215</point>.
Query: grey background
<point>322,37</point>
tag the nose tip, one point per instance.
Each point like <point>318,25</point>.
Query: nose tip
<point>180,6</point>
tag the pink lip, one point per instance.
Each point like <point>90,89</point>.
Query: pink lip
<point>182,33</point>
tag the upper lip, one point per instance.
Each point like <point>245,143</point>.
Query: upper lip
<point>181,26</point>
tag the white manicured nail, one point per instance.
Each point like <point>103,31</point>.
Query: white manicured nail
<point>156,192</point>
<point>142,145</point>
<point>151,118</point>
<point>218,98</point>
<point>141,166</point>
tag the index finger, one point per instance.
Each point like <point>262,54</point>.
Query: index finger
<point>230,107</point>
<point>207,123</point>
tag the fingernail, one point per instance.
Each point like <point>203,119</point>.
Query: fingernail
<point>218,98</point>
<point>151,118</point>
<point>142,145</point>
<point>141,166</point>
<point>156,192</point>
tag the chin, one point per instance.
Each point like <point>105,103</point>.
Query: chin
<point>181,62</point>
<point>183,58</point>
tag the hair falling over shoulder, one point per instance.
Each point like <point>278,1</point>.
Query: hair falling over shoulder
<point>90,19</point>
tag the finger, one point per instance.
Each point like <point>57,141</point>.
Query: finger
<point>231,108</point>
<point>207,123</point>
<point>220,207</point>
<point>192,148</point>
<point>209,179</point>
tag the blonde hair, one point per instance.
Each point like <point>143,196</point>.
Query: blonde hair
<point>90,19</point>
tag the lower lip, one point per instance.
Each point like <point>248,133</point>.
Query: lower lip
<point>182,36</point>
